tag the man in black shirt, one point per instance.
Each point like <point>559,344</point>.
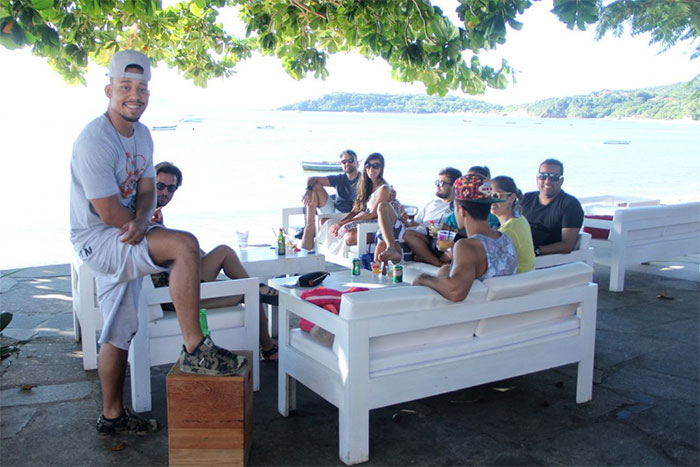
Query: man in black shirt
<point>555,217</point>
<point>316,197</point>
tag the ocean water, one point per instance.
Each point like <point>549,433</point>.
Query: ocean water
<point>241,169</point>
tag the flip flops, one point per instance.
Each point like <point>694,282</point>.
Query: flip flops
<point>269,353</point>
<point>270,296</point>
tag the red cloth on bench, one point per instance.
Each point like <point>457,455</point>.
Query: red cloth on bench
<point>597,232</point>
<point>328,299</point>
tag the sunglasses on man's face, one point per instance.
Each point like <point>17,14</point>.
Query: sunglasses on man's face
<point>374,165</point>
<point>548,175</point>
<point>441,183</point>
<point>347,161</point>
<point>162,186</point>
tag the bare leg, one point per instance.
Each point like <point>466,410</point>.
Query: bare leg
<point>223,257</point>
<point>265,339</point>
<point>182,250</point>
<point>111,367</point>
<point>379,249</point>
<point>319,197</point>
<point>351,237</point>
<point>420,246</point>
<point>387,218</point>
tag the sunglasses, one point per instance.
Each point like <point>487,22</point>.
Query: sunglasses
<point>374,165</point>
<point>500,195</point>
<point>441,183</point>
<point>163,186</point>
<point>347,161</point>
<point>548,175</point>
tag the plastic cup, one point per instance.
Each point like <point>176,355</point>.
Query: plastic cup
<point>445,240</point>
<point>242,239</point>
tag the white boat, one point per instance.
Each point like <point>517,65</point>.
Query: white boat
<point>616,141</point>
<point>192,119</point>
<point>322,166</point>
<point>164,128</point>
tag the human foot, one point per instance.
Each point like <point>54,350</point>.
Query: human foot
<point>271,354</point>
<point>390,254</point>
<point>269,295</point>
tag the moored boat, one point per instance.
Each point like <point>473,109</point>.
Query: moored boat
<point>322,166</point>
<point>164,128</point>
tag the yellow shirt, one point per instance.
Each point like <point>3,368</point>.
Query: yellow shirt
<point>518,229</point>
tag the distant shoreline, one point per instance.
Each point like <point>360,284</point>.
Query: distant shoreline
<point>685,120</point>
<point>676,102</point>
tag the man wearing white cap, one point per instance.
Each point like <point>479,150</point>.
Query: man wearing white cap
<point>112,202</point>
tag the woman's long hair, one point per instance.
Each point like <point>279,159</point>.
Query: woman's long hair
<point>365,186</point>
<point>508,184</point>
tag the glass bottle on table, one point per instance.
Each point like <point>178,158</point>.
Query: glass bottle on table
<point>281,244</point>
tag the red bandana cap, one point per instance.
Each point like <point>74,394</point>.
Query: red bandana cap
<point>476,189</point>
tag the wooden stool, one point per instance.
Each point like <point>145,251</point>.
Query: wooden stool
<point>210,418</point>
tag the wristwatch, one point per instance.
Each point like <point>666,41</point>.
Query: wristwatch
<point>538,251</point>
<point>309,187</point>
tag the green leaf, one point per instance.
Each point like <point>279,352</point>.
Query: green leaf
<point>196,10</point>
<point>41,4</point>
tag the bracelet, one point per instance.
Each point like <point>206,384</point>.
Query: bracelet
<point>308,187</point>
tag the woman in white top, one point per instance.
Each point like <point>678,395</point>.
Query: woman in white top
<point>372,190</point>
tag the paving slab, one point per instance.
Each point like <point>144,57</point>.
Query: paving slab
<point>644,409</point>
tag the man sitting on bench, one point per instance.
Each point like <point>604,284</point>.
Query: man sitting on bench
<point>555,217</point>
<point>485,253</point>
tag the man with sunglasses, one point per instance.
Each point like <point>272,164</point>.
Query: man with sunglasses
<point>417,240</point>
<point>112,203</point>
<point>221,258</point>
<point>168,180</point>
<point>317,198</point>
<point>555,217</point>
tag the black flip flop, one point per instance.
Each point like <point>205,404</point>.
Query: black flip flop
<point>273,300</point>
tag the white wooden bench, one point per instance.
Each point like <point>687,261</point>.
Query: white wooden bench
<point>352,252</point>
<point>399,344</point>
<point>159,339</point>
<point>643,233</point>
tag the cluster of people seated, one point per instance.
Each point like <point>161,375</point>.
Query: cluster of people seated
<point>497,229</point>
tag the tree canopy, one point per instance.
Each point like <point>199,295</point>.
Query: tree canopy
<point>414,37</point>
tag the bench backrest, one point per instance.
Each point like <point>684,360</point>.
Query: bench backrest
<point>656,224</point>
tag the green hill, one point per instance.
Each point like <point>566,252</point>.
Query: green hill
<point>672,102</point>
<point>407,103</point>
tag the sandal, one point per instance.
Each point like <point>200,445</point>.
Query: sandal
<point>267,354</point>
<point>271,297</point>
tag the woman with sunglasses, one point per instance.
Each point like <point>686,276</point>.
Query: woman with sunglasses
<point>372,190</point>
<point>512,222</point>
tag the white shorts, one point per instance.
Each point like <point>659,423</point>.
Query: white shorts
<point>328,208</point>
<point>119,270</point>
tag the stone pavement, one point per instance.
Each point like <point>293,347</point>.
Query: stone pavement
<point>645,408</point>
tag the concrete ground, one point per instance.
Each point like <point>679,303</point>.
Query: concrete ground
<point>645,407</point>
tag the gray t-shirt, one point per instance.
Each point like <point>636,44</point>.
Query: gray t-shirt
<point>103,164</point>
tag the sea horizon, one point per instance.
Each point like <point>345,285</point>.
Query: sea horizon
<point>241,168</point>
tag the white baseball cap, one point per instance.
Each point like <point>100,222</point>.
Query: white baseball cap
<point>123,59</point>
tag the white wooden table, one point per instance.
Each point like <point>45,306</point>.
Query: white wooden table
<point>264,263</point>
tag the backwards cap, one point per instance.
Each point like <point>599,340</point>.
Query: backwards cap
<point>121,60</point>
<point>476,189</point>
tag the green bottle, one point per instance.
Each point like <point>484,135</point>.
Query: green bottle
<point>281,244</point>
<point>203,322</point>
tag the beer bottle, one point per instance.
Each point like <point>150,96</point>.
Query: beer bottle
<point>281,244</point>
<point>203,322</point>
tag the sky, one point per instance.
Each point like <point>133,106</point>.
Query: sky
<point>551,60</point>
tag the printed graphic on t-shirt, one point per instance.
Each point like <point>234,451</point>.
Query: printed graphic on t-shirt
<point>135,166</point>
